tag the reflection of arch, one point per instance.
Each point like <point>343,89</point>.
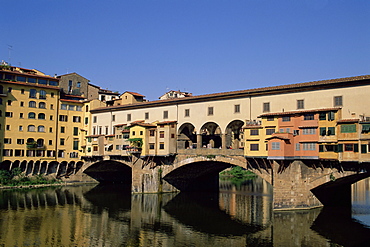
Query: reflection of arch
<point>210,135</point>
<point>186,136</point>
<point>233,137</point>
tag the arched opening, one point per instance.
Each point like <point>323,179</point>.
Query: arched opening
<point>187,137</point>
<point>62,169</point>
<point>78,166</point>
<point>43,167</point>
<point>29,168</point>
<point>36,168</point>
<point>23,166</point>
<point>234,137</point>
<point>110,172</point>
<point>52,168</point>
<point>5,165</point>
<point>210,136</point>
<point>15,164</point>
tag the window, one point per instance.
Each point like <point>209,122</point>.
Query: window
<point>78,108</point>
<point>210,111</point>
<point>62,129</point>
<point>31,128</point>
<point>9,102</point>
<point>338,101</point>
<point>51,117</point>
<point>7,141</point>
<point>32,104</point>
<point>254,132</point>
<point>100,130</point>
<point>63,106</point>
<point>275,145</point>
<point>286,119</point>
<point>41,128</point>
<point>42,81</point>
<point>51,107</point>
<point>348,128</point>
<point>33,93</point>
<point>254,147</point>
<point>31,80</point>
<point>63,118</point>
<point>297,147</point>
<point>165,114</point>
<point>236,108</point>
<point>106,130</point>
<point>21,115</point>
<point>78,84</point>
<point>310,116</point>
<point>41,116</point>
<point>270,118</point>
<point>10,89</point>
<point>71,107</point>
<point>31,115</point>
<point>21,104</point>
<point>322,116</point>
<point>128,117</point>
<point>309,146</point>
<point>331,116</point>
<point>75,144</point>
<point>266,107</point>
<point>21,78</point>
<point>300,104</point>
<point>146,115</point>
<point>20,141</point>
<point>61,141</point>
<point>161,134</point>
<point>95,119</point>
<point>8,114</point>
<point>151,132</point>
<point>20,128</point>
<point>270,131</point>
<point>151,145</point>
<point>309,131</point>
<point>1,101</point>
<point>42,105</point>
<point>76,119</point>
<point>187,112</point>
<point>7,127</point>
<point>42,94</point>
<point>113,118</point>
<point>50,130</point>
<point>161,145</point>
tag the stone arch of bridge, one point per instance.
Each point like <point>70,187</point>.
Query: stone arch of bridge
<point>210,135</point>
<point>108,171</point>
<point>197,173</point>
<point>233,134</point>
<point>187,136</point>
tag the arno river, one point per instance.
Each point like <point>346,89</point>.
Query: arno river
<point>240,215</point>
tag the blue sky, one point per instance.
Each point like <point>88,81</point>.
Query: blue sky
<point>199,46</point>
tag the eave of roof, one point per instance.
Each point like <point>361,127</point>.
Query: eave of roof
<point>298,87</point>
<point>299,112</point>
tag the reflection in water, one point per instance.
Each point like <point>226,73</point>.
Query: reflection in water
<point>240,215</point>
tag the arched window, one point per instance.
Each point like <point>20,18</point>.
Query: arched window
<point>42,94</point>
<point>31,115</point>
<point>41,116</point>
<point>33,93</point>
<point>31,128</point>
<point>30,140</point>
<point>41,128</point>
<point>87,108</point>
<point>42,105</point>
<point>32,104</point>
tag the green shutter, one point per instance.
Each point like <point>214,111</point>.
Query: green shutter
<point>75,131</point>
<point>75,145</point>
<point>340,148</point>
<point>355,148</point>
<point>322,131</point>
<point>322,116</point>
<point>363,148</point>
<point>321,148</point>
<point>331,116</point>
<point>348,128</point>
<point>331,131</point>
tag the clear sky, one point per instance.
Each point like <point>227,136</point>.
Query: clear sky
<point>199,46</point>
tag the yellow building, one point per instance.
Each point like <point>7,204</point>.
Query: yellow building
<point>29,110</point>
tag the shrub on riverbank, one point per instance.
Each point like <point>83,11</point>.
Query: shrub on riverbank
<point>237,172</point>
<point>15,177</point>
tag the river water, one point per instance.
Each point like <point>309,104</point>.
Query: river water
<point>240,215</point>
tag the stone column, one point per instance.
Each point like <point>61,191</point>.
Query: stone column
<point>199,140</point>
<point>223,139</point>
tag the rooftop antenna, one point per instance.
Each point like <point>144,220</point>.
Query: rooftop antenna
<point>10,48</point>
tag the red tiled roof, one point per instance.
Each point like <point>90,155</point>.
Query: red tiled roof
<point>135,94</point>
<point>94,136</point>
<point>109,136</point>
<point>71,100</point>
<point>353,120</point>
<point>277,137</point>
<point>166,122</point>
<point>119,125</point>
<point>299,112</point>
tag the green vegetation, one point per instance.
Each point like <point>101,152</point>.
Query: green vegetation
<point>136,142</point>
<point>211,156</point>
<point>237,172</point>
<point>17,178</point>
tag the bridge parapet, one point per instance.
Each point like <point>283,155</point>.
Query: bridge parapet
<point>211,151</point>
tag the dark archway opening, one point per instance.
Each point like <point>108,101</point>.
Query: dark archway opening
<point>111,172</point>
